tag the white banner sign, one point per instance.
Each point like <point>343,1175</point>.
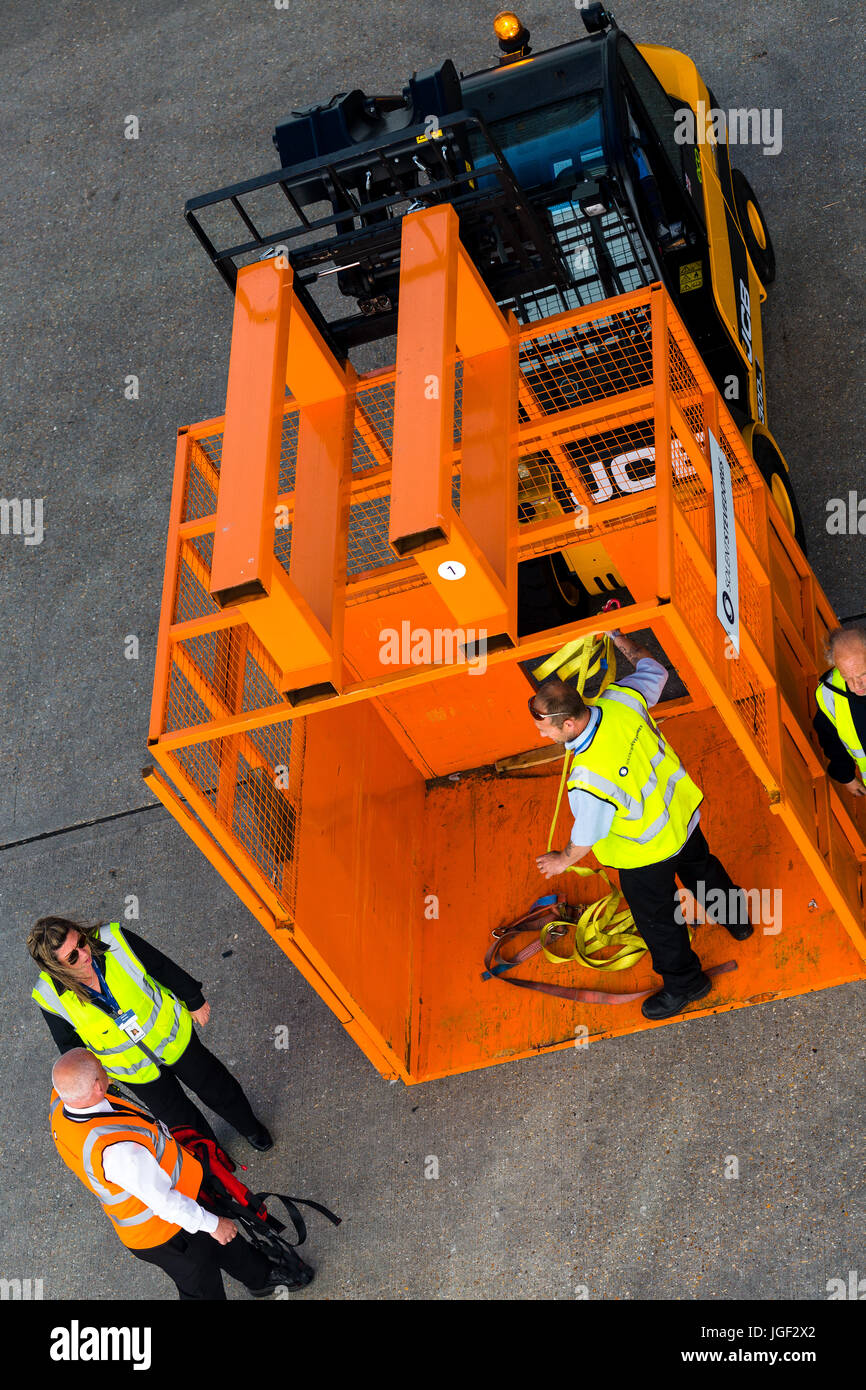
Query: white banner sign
<point>727,591</point>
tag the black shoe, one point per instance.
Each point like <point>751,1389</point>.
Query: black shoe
<point>740,930</point>
<point>260,1139</point>
<point>283,1278</point>
<point>665,1005</point>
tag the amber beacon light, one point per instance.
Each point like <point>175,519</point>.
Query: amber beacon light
<point>512,35</point>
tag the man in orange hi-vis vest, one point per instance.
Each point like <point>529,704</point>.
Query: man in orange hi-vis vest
<point>148,1184</point>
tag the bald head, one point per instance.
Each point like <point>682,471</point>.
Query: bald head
<point>555,695</point>
<point>847,651</point>
<point>79,1078</point>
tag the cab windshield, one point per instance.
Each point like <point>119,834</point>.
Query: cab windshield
<point>541,145</point>
<point>558,155</point>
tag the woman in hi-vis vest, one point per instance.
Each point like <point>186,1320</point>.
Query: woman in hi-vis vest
<point>110,991</point>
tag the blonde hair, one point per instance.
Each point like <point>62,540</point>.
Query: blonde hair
<point>47,936</point>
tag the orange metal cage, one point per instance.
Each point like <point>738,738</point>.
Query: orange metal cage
<point>308,765</point>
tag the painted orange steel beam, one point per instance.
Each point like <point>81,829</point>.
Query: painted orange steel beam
<point>320,528</point>
<point>197,627</point>
<point>200,526</point>
<point>169,587</point>
<point>599,309</point>
<point>481,324</point>
<point>304,621</point>
<point>489,342</point>
<point>230,665</point>
<point>565,529</point>
<point>443,301</point>
<point>424,386</point>
<point>537,644</point>
<point>243,550</point>
<point>312,372</point>
<point>207,429</point>
<point>289,630</point>
<point>664,487</point>
<point>297,616</point>
<point>567,426</point>
<point>488,479</point>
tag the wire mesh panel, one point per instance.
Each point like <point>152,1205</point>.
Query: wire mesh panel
<point>192,599</point>
<point>695,600</point>
<point>375,403</point>
<point>589,360</point>
<point>202,478</point>
<point>288,450</point>
<point>368,535</point>
<point>250,783</point>
<point>185,707</point>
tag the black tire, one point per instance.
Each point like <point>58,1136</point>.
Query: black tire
<point>548,595</point>
<point>776,476</point>
<point>763,257</point>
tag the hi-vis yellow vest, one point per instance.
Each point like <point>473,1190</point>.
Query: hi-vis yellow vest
<point>837,708</point>
<point>629,764</point>
<point>166,1021</point>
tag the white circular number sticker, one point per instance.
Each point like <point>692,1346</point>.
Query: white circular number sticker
<point>452,569</point>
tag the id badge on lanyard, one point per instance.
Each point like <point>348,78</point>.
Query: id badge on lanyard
<point>130,1025</point>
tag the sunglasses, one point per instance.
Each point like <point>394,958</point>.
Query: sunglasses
<point>536,713</point>
<point>72,958</point>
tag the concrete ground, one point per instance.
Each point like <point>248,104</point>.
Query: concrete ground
<point>600,1169</point>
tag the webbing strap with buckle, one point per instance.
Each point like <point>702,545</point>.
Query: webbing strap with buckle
<point>552,918</point>
<point>584,657</point>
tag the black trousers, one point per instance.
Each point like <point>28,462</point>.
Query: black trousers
<point>212,1082</point>
<point>195,1263</point>
<point>651,894</point>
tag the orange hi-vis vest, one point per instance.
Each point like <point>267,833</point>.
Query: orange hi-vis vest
<point>81,1142</point>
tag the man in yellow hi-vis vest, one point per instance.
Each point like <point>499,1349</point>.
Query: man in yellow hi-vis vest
<point>637,809</point>
<point>840,721</point>
<point>116,994</point>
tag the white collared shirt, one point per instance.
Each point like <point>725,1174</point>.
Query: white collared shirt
<point>134,1168</point>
